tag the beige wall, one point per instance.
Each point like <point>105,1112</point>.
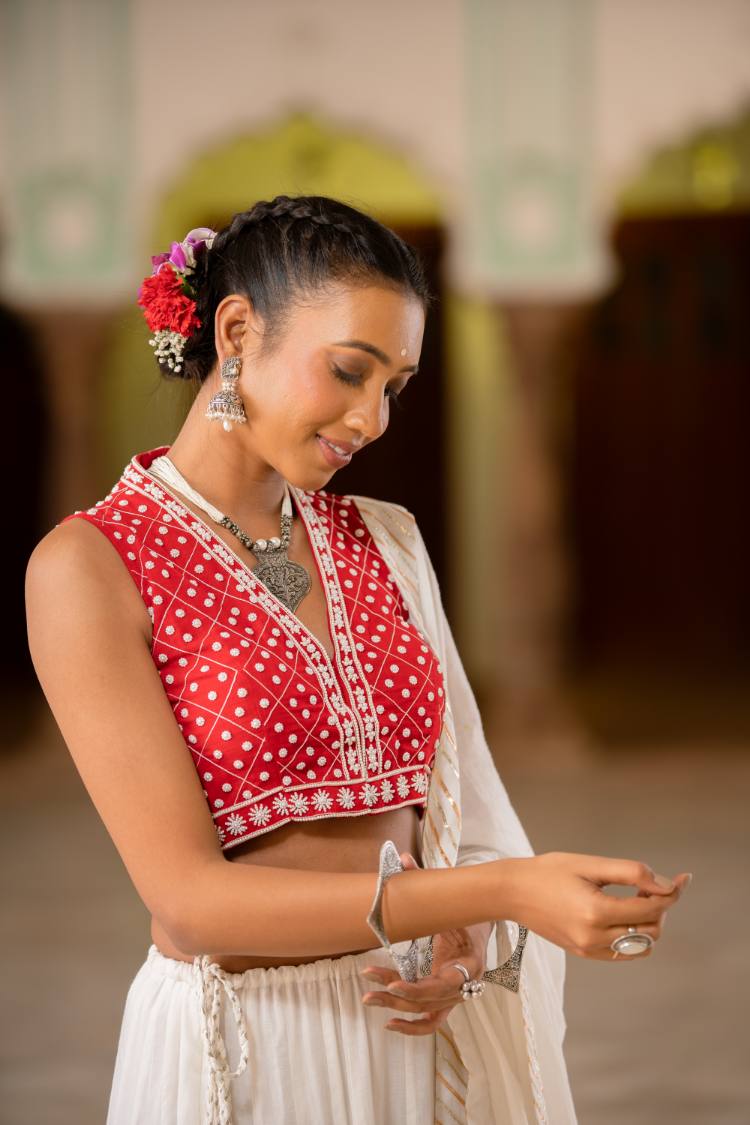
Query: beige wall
<point>397,72</point>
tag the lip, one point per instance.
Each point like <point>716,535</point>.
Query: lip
<point>349,446</point>
<point>330,454</point>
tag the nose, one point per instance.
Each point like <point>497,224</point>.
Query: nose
<point>370,416</point>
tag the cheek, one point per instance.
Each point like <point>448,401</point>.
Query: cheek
<point>311,399</point>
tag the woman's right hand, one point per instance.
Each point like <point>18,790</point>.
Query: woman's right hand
<point>559,896</point>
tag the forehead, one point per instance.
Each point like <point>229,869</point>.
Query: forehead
<point>388,317</point>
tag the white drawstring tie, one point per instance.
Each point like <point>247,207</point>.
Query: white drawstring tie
<point>211,979</point>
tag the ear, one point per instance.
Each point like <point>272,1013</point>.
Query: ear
<point>236,325</point>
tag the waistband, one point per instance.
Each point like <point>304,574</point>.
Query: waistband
<point>338,967</point>
<point>212,982</point>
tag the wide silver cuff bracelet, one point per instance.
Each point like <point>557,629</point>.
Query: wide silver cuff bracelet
<point>417,961</point>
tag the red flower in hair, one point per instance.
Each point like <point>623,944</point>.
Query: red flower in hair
<point>165,304</point>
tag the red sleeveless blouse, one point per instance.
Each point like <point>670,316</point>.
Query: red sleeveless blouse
<point>277,730</point>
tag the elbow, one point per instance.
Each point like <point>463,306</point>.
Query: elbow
<point>183,937</point>
<point>186,934</point>
<point>185,926</point>
<point>188,915</point>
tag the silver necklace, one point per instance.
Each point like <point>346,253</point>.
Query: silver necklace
<point>287,580</point>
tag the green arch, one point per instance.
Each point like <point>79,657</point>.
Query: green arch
<point>707,170</point>
<point>299,154</point>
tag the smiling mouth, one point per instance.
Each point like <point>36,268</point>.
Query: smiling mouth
<point>336,448</point>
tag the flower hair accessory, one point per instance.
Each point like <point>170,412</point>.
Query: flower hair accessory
<point>168,299</point>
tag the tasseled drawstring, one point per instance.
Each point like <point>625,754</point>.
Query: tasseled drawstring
<point>211,979</point>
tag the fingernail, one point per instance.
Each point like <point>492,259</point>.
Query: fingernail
<point>396,991</point>
<point>663,881</point>
<point>688,881</point>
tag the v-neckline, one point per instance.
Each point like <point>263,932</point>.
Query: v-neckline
<point>331,660</point>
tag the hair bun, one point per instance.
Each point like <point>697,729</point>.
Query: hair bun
<point>272,253</point>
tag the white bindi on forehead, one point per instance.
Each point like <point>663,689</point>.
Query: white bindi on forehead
<point>403,351</point>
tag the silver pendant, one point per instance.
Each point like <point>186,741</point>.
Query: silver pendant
<point>287,580</point>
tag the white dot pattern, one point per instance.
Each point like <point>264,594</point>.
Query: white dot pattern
<point>307,736</point>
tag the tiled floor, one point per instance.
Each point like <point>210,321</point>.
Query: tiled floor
<point>659,1042</point>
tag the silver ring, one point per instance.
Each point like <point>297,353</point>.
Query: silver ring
<point>464,970</point>
<point>470,988</point>
<point>632,943</point>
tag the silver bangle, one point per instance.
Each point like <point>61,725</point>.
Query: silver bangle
<point>417,961</point>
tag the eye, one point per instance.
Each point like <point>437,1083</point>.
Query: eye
<point>394,396</point>
<point>353,379</point>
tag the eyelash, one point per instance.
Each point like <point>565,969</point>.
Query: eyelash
<point>353,381</point>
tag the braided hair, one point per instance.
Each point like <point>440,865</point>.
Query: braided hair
<point>286,247</point>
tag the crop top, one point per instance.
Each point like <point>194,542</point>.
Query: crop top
<point>278,731</point>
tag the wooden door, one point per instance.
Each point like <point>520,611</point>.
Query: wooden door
<point>661,465</point>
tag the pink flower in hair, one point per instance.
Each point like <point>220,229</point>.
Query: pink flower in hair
<point>168,299</point>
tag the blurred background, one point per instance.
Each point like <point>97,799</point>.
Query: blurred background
<point>576,175</point>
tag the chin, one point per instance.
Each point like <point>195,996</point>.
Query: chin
<point>309,473</point>
<point>310,479</point>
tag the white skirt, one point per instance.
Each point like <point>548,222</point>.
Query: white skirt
<point>290,1045</point>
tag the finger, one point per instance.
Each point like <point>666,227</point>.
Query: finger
<point>426,1026</point>
<point>379,974</point>
<point>433,987</point>
<point>430,990</point>
<point>634,909</point>
<point>599,953</point>
<point>604,870</point>
<point>408,860</point>
<point>652,929</point>
<point>421,995</point>
<point>681,882</point>
<point>610,955</point>
<point>385,1000</point>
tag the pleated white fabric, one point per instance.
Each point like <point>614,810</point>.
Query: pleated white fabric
<point>315,1052</point>
<point>499,1060</point>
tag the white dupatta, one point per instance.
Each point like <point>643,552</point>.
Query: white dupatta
<point>499,1057</point>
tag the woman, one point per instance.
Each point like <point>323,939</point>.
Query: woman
<point>295,643</point>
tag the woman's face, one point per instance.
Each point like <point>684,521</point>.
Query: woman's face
<point>343,355</point>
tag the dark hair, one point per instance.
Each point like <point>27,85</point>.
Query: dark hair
<point>288,247</point>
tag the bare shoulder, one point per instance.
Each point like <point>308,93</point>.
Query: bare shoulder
<point>77,571</point>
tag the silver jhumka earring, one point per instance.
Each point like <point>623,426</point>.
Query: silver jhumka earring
<point>226,405</point>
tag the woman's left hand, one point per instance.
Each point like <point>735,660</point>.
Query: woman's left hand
<point>437,994</point>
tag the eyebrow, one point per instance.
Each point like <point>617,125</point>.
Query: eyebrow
<point>372,350</point>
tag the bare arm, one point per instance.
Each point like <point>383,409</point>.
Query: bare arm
<point>89,640</point>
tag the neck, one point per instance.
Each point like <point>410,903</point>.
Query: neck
<point>226,472</point>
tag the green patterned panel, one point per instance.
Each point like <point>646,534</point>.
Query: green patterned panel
<point>528,83</point>
<point>66,85</point>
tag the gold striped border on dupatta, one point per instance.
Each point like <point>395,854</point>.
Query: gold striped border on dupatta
<point>394,530</point>
<point>440,835</point>
<point>441,827</point>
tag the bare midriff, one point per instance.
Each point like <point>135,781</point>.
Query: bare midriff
<point>350,844</point>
